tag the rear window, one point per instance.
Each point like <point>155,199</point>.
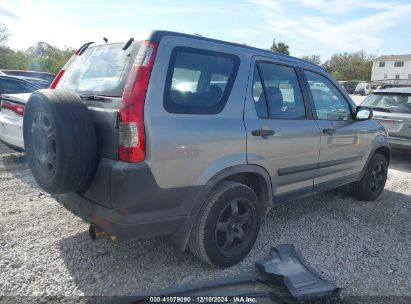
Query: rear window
<point>199,81</point>
<point>8,86</point>
<point>100,70</point>
<point>386,102</point>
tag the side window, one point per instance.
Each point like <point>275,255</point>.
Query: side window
<point>277,93</point>
<point>328,101</point>
<point>198,81</point>
<point>258,96</point>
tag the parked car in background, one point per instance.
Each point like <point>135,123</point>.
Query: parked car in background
<point>11,119</point>
<point>392,108</point>
<point>14,92</point>
<point>363,88</point>
<point>195,139</point>
<point>347,86</point>
<point>43,84</point>
<point>44,76</point>
<point>13,85</point>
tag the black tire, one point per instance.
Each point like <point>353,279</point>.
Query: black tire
<point>239,227</point>
<point>372,183</point>
<point>60,141</point>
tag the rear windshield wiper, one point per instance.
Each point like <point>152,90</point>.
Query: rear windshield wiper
<point>96,97</point>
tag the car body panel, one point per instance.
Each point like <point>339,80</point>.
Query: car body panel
<point>11,124</point>
<point>343,152</point>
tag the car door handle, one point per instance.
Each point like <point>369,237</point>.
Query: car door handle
<point>329,130</point>
<point>263,132</point>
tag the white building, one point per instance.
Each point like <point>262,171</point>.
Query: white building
<point>392,69</point>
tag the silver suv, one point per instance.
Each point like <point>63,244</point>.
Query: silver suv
<point>196,139</point>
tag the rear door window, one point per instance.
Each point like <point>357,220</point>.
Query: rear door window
<point>277,93</point>
<point>199,81</point>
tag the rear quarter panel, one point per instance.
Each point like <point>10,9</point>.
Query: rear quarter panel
<point>188,149</point>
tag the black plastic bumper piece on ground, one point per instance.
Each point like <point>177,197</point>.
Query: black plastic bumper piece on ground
<point>283,277</point>
<point>287,265</point>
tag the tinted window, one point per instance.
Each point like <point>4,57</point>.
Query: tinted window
<point>13,87</point>
<point>199,82</point>
<point>328,101</point>
<point>279,94</point>
<point>392,103</point>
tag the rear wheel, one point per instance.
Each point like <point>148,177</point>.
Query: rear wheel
<point>372,184</point>
<point>227,225</point>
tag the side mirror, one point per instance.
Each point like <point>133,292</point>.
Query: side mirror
<point>363,113</point>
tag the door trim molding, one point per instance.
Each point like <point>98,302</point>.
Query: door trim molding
<point>310,167</point>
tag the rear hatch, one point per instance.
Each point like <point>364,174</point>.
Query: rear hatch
<point>393,111</point>
<point>99,74</point>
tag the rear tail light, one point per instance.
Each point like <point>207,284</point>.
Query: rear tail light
<point>16,108</point>
<point>131,116</point>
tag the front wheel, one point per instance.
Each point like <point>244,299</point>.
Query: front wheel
<point>227,225</point>
<point>372,184</point>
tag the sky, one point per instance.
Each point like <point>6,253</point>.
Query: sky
<point>323,27</point>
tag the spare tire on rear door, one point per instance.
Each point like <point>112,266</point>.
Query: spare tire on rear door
<point>60,141</point>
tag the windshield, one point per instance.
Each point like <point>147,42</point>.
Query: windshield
<point>100,70</point>
<point>394,103</point>
<point>361,85</point>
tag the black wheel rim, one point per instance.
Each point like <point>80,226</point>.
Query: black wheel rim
<point>44,144</point>
<point>234,227</point>
<point>377,178</point>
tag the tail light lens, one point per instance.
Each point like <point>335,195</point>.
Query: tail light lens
<point>16,108</point>
<point>131,116</point>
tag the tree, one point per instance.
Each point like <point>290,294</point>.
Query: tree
<point>280,47</point>
<point>11,59</point>
<point>40,57</point>
<point>45,57</point>
<point>4,33</point>
<point>350,66</point>
<point>316,59</point>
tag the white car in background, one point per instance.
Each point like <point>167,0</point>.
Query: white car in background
<point>11,119</point>
<point>363,88</point>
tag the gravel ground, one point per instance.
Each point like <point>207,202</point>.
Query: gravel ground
<point>44,250</point>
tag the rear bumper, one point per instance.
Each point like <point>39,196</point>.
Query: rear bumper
<point>398,142</point>
<point>125,200</point>
<point>122,226</point>
<point>11,131</point>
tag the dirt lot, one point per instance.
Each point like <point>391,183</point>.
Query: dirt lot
<point>363,246</point>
